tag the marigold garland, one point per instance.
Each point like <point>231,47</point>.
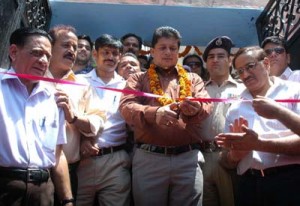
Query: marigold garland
<point>155,87</point>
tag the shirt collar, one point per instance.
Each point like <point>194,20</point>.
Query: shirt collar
<point>286,74</point>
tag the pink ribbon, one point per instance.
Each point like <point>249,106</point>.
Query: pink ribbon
<point>134,92</point>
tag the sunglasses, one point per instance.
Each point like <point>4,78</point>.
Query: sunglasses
<point>194,64</point>
<point>277,50</point>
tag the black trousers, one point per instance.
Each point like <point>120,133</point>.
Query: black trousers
<point>280,189</point>
<point>19,193</point>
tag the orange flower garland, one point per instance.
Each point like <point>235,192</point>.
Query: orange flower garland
<point>155,87</point>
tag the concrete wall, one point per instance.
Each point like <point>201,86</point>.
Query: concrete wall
<point>196,25</point>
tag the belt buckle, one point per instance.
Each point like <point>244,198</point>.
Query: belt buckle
<point>101,152</point>
<point>31,175</point>
<point>170,150</point>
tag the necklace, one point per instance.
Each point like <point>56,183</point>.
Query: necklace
<point>155,87</point>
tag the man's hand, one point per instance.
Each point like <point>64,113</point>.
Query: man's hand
<point>62,100</point>
<point>87,148</point>
<point>266,108</point>
<point>241,137</point>
<point>190,108</point>
<point>166,115</point>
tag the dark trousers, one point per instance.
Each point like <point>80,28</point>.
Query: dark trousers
<point>281,189</point>
<point>20,193</point>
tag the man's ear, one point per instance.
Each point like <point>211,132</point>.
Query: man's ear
<point>95,53</point>
<point>288,59</point>
<point>266,62</point>
<point>13,50</point>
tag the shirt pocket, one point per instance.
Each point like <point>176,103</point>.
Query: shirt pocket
<point>48,131</point>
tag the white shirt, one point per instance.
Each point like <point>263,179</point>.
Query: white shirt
<point>215,122</point>
<point>266,128</point>
<point>290,75</point>
<point>114,132</point>
<point>81,100</point>
<point>31,125</point>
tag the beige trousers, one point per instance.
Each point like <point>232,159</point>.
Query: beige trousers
<point>106,178</point>
<point>218,189</point>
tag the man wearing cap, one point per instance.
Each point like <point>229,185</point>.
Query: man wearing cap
<point>276,50</point>
<point>217,181</point>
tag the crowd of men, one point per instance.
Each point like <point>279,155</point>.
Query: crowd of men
<point>176,135</point>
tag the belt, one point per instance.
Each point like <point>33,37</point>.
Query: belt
<point>271,171</point>
<point>26,175</point>
<point>207,146</point>
<point>109,150</point>
<point>167,150</point>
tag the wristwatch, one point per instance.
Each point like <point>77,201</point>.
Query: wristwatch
<point>66,201</point>
<point>74,119</point>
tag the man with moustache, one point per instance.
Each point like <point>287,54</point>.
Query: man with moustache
<point>84,53</point>
<point>165,167</point>
<point>267,159</point>
<point>104,173</point>
<point>132,43</point>
<point>83,116</point>
<point>129,64</point>
<point>32,127</point>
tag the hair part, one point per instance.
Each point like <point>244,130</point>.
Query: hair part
<point>167,32</point>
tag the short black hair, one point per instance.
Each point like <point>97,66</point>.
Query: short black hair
<point>87,38</point>
<point>109,41</point>
<point>165,31</point>
<point>274,40</point>
<point>123,38</point>
<point>190,56</point>
<point>19,36</point>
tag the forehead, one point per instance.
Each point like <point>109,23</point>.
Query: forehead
<point>128,58</point>
<point>244,59</point>
<point>272,45</point>
<point>37,42</point>
<point>217,51</point>
<point>83,42</point>
<point>172,41</point>
<point>131,39</point>
<point>109,48</point>
<point>192,59</point>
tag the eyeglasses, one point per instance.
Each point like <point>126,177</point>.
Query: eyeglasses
<point>277,50</point>
<point>249,67</point>
<point>194,64</point>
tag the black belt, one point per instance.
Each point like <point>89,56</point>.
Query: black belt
<point>168,150</point>
<point>209,146</point>
<point>271,171</point>
<point>26,175</point>
<point>109,150</point>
